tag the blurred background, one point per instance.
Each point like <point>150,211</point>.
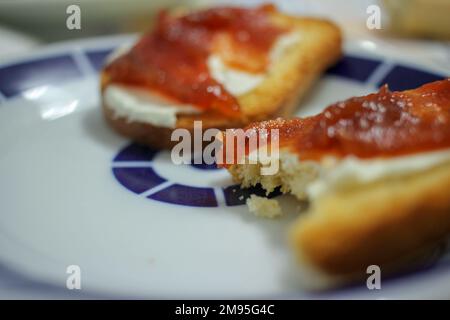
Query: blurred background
<point>27,24</point>
<point>416,30</point>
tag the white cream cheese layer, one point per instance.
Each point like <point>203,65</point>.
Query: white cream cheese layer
<point>235,81</point>
<point>140,105</point>
<point>238,82</point>
<point>350,171</point>
<point>137,105</point>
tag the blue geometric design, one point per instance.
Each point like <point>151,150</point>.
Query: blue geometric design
<point>138,180</point>
<point>98,57</point>
<point>187,196</point>
<point>17,78</point>
<point>403,78</point>
<point>355,68</point>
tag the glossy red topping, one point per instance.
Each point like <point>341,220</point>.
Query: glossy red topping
<point>172,59</point>
<point>381,124</point>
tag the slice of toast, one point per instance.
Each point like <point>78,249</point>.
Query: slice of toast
<point>382,223</point>
<point>386,223</point>
<point>356,221</point>
<point>289,79</point>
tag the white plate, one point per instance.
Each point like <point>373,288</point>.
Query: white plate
<point>71,194</point>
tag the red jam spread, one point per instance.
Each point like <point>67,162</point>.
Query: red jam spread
<point>381,124</point>
<point>172,59</point>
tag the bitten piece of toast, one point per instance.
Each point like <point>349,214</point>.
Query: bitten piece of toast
<point>376,172</point>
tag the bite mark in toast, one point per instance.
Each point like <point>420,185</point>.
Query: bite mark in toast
<point>378,182</point>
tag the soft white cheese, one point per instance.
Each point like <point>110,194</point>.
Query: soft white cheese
<point>142,106</point>
<point>239,82</point>
<point>283,43</point>
<point>235,81</point>
<point>351,171</point>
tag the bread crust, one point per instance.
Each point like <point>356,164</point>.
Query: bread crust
<point>380,223</point>
<point>390,222</point>
<point>277,95</point>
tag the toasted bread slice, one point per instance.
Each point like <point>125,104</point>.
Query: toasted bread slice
<point>345,231</point>
<point>289,79</point>
<point>382,210</point>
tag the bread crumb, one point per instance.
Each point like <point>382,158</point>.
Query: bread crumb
<point>263,207</point>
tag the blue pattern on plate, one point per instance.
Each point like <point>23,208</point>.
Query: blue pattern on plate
<point>403,78</point>
<point>186,196</point>
<point>16,78</point>
<point>138,180</point>
<point>98,57</point>
<point>355,68</point>
<point>141,179</point>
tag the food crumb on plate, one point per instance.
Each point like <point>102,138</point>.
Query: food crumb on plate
<point>263,207</point>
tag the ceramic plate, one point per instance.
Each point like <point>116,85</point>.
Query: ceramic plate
<point>75,193</point>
